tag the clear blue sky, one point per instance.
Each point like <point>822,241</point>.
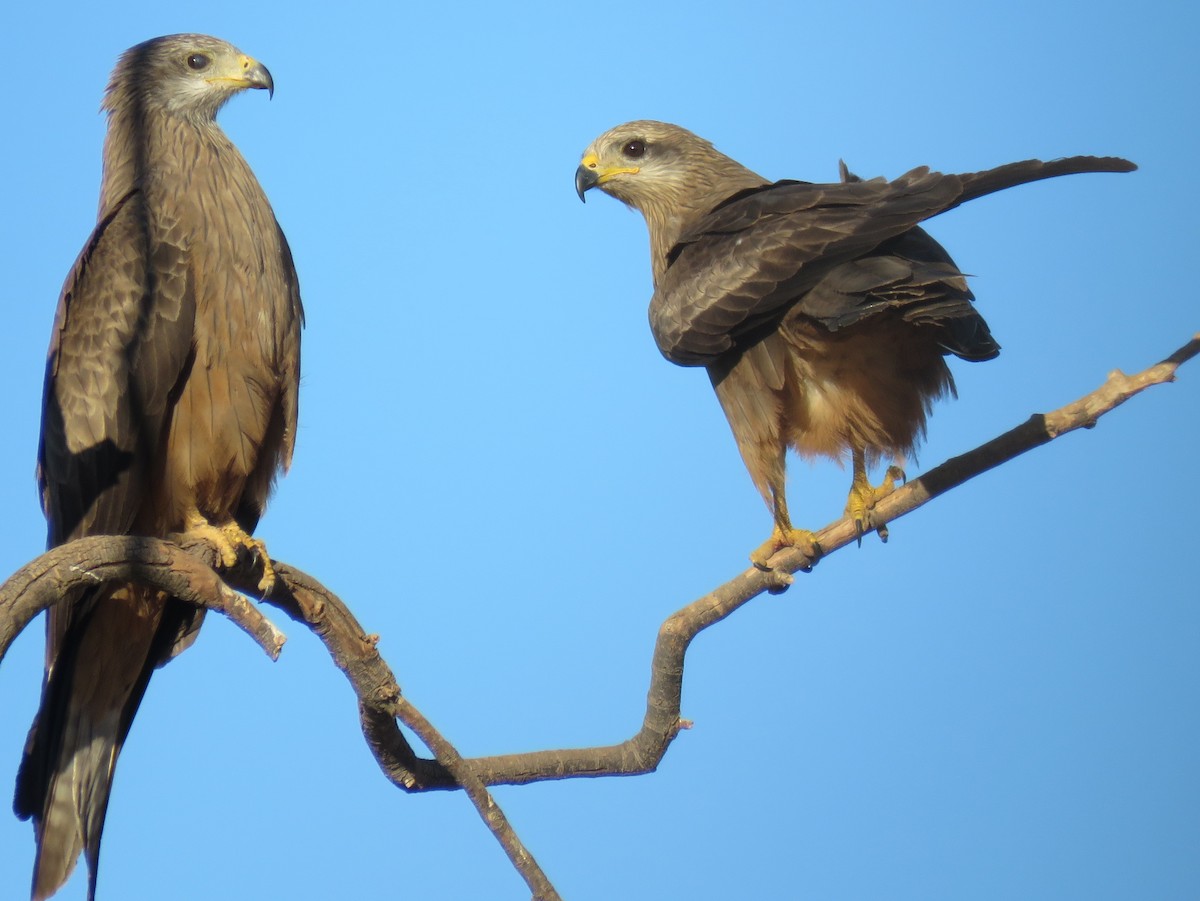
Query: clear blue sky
<point>504,479</point>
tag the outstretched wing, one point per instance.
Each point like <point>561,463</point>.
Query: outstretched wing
<point>752,259</point>
<point>745,264</point>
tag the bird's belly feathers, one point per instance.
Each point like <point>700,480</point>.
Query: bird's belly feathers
<point>218,440</point>
<point>869,386</point>
<point>225,438</point>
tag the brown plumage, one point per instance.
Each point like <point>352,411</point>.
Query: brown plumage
<point>821,312</point>
<point>170,405</point>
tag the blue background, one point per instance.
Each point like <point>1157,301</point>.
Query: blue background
<point>501,476</point>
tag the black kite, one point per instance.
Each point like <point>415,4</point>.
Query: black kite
<point>170,405</point>
<point>821,312</point>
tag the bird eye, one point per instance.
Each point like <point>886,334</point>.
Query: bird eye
<point>197,61</point>
<point>634,149</point>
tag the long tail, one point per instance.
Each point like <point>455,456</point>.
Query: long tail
<point>97,674</point>
<point>977,184</point>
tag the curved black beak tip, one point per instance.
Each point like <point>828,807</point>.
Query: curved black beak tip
<point>260,78</point>
<point>585,179</point>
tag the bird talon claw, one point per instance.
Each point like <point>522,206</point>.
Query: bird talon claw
<point>802,539</point>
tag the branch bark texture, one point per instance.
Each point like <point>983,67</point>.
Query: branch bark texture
<point>188,571</point>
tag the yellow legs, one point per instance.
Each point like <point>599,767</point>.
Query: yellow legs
<point>783,535</point>
<point>228,538</point>
<point>864,496</point>
<point>859,506</point>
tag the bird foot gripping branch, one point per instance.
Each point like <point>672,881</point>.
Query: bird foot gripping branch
<point>781,538</point>
<point>863,498</point>
<point>228,538</point>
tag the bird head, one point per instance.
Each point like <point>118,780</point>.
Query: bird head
<point>668,174</point>
<point>643,163</point>
<point>189,75</point>
<point>660,170</point>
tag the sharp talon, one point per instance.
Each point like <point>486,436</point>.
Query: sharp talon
<point>228,538</point>
<point>267,582</point>
<point>864,496</point>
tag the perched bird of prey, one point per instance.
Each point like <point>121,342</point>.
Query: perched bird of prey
<point>169,407</point>
<point>821,312</point>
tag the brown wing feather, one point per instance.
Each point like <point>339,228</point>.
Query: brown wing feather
<point>743,266</point>
<point>740,268</point>
<point>121,341</point>
<point>120,344</point>
<point>913,276</point>
<point>290,351</point>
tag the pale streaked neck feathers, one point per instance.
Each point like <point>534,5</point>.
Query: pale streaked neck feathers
<point>681,177</point>
<point>145,117</point>
<point>683,201</point>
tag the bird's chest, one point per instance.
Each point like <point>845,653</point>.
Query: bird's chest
<point>244,338</point>
<point>240,290</point>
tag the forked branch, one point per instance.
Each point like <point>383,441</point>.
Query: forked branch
<point>187,572</point>
<point>643,752</point>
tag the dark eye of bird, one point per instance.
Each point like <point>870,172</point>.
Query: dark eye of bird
<point>634,149</point>
<point>197,61</point>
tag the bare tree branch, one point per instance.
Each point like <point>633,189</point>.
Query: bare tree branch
<point>160,564</point>
<point>643,752</point>
<point>187,571</point>
<point>380,705</point>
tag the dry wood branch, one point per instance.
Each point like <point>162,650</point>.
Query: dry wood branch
<point>59,573</point>
<point>379,698</point>
<point>380,705</point>
<point>1039,429</point>
<point>187,573</point>
<point>662,722</point>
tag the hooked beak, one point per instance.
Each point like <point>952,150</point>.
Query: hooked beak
<point>250,74</point>
<point>585,179</point>
<point>258,76</point>
<point>590,173</point>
